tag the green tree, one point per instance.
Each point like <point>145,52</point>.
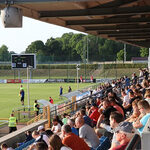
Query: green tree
<point>120,55</point>
<point>144,52</point>
<point>54,49</point>
<point>4,53</point>
<point>35,46</point>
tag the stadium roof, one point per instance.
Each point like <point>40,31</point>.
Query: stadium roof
<point>126,21</point>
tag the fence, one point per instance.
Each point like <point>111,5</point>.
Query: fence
<point>68,71</point>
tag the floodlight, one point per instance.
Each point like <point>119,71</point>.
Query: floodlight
<point>11,17</point>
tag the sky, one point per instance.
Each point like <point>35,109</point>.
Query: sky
<point>18,39</point>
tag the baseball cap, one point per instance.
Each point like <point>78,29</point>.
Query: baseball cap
<point>125,127</point>
<point>40,127</point>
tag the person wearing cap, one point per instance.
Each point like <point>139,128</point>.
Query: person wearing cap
<point>124,133</point>
<point>42,132</point>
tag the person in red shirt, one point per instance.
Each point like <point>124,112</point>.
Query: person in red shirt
<point>91,78</point>
<point>73,141</point>
<point>51,100</point>
<point>94,115</point>
<point>81,79</point>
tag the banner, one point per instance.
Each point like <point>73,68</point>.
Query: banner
<point>3,81</point>
<point>13,80</point>
<point>34,80</point>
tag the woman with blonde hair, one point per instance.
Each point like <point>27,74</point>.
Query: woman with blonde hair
<point>56,143</point>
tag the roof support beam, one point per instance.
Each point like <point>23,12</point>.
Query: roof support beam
<point>116,3</point>
<point>129,34</point>
<point>117,28</point>
<point>97,12</point>
<point>124,31</point>
<point>108,21</point>
<point>133,37</point>
<point>145,43</point>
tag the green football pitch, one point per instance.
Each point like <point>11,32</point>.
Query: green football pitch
<point>9,97</point>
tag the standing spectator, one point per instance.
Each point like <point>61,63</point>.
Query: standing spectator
<point>56,143</point>
<point>51,100</point>
<point>5,147</point>
<point>60,91</point>
<point>81,79</point>
<point>69,90</point>
<point>36,108</point>
<point>91,78</point>
<point>71,140</point>
<point>87,133</point>
<point>12,123</point>
<point>22,96</point>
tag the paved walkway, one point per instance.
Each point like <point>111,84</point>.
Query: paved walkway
<point>5,130</point>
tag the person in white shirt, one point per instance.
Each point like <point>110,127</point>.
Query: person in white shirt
<point>56,128</point>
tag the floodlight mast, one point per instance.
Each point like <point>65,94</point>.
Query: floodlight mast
<point>78,68</point>
<point>28,93</point>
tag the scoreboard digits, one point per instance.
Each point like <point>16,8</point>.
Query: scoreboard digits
<point>23,60</point>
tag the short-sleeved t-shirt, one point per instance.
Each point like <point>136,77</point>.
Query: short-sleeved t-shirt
<point>89,136</point>
<point>143,122</point>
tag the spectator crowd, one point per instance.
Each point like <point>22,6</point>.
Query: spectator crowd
<point>112,115</point>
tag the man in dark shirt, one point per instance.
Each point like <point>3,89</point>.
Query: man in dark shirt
<point>104,117</point>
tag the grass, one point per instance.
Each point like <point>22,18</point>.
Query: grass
<point>9,97</point>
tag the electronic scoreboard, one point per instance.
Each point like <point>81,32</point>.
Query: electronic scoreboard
<point>23,61</point>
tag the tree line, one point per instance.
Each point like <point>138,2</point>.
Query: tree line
<point>77,47</point>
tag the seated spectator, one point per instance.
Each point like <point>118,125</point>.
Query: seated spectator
<point>136,113</point>
<point>104,117</point>
<point>28,135</point>
<point>144,107</point>
<point>125,98</point>
<point>94,115</point>
<point>58,119</point>
<point>56,143</point>
<point>87,133</point>
<point>117,107</point>
<point>147,95</point>
<point>71,140</point>
<point>38,138</point>
<point>5,147</point>
<point>86,118</point>
<point>40,146</point>
<point>49,132</point>
<point>56,128</point>
<point>124,133</point>
<point>115,119</point>
<point>41,131</point>
<point>71,123</point>
<point>65,118</point>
